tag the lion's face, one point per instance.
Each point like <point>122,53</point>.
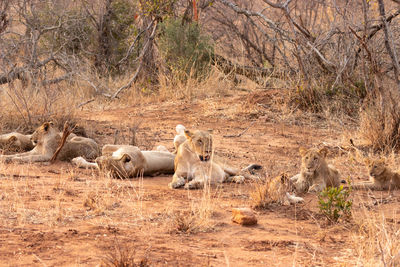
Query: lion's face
<point>122,166</point>
<point>376,167</point>
<point>311,159</point>
<point>42,132</point>
<point>201,143</point>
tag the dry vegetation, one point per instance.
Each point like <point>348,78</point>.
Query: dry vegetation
<point>268,75</point>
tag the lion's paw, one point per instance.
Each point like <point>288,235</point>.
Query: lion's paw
<point>177,184</point>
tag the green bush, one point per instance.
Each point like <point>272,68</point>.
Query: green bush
<point>334,202</point>
<point>185,49</point>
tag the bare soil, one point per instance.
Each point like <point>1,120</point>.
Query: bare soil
<point>58,215</point>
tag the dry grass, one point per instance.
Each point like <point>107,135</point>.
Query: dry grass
<point>382,131</point>
<point>124,256</point>
<point>271,191</point>
<point>377,241</point>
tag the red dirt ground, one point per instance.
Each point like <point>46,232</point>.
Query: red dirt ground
<point>58,215</point>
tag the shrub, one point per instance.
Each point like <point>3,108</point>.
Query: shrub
<point>334,202</point>
<point>185,49</point>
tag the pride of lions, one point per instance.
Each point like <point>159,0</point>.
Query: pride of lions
<point>193,163</point>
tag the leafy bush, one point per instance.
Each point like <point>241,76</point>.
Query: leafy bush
<point>185,49</point>
<point>334,202</point>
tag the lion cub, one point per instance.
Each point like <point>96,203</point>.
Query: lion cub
<point>315,174</point>
<point>381,177</point>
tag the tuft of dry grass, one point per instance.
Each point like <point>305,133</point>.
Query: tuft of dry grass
<point>380,129</point>
<point>377,241</point>
<point>124,256</point>
<point>271,191</point>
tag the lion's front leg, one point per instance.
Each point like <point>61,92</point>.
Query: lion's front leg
<point>31,158</point>
<point>195,184</point>
<point>238,179</point>
<point>178,180</point>
<point>317,187</point>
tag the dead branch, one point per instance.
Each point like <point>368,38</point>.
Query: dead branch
<point>19,73</point>
<point>141,56</point>
<point>252,73</point>
<point>84,103</point>
<point>243,132</point>
<point>389,43</point>
<point>66,132</point>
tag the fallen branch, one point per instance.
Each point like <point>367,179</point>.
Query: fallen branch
<point>66,133</point>
<point>243,132</point>
<point>84,103</point>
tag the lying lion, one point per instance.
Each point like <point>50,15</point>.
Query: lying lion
<point>315,174</point>
<point>195,163</point>
<point>15,142</point>
<point>381,177</point>
<point>124,161</point>
<point>46,139</point>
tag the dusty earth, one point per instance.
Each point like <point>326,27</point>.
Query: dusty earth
<point>58,215</point>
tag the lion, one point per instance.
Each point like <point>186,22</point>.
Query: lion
<point>125,161</point>
<point>315,174</point>
<point>16,142</point>
<point>195,162</point>
<point>381,177</point>
<point>46,140</point>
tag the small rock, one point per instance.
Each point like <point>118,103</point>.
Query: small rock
<point>243,216</point>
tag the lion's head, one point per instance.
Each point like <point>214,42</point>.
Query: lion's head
<point>123,164</point>
<point>43,133</point>
<point>311,159</point>
<point>376,167</point>
<point>201,143</point>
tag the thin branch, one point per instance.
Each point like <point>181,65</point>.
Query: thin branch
<point>134,78</point>
<point>66,133</point>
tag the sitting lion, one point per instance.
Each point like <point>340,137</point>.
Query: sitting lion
<point>124,161</point>
<point>195,162</point>
<point>15,142</point>
<point>381,177</point>
<point>46,139</point>
<point>315,174</point>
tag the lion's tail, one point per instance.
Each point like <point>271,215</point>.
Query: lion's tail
<point>180,129</point>
<point>252,167</point>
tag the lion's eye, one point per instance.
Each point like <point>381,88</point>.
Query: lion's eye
<point>127,159</point>
<point>315,158</point>
<point>200,142</point>
<point>306,157</point>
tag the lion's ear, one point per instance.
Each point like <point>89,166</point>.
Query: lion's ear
<point>12,139</point>
<point>302,151</point>
<point>323,151</point>
<point>46,126</point>
<point>188,134</point>
<point>381,160</point>
<point>126,158</point>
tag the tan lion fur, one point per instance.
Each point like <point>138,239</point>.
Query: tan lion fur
<point>125,161</point>
<point>196,163</point>
<point>381,177</point>
<point>46,139</point>
<point>315,174</point>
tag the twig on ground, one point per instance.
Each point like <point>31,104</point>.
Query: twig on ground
<point>243,132</point>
